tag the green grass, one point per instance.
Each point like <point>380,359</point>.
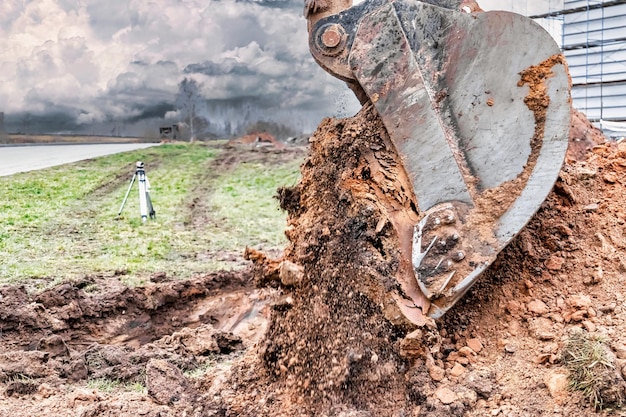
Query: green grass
<point>243,206</point>
<point>61,222</point>
<point>112,385</point>
<point>212,363</point>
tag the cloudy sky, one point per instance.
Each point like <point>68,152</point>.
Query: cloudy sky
<point>114,66</point>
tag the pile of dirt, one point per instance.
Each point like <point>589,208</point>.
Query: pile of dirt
<point>330,346</point>
<point>258,140</point>
<point>583,136</point>
<point>337,346</point>
<point>335,343</point>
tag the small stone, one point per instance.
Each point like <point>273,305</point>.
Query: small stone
<point>542,328</point>
<point>610,177</point>
<point>621,149</point>
<point>290,274</point>
<point>45,390</point>
<point>587,324</point>
<point>619,349</point>
<point>556,317</point>
<point>467,352</point>
<point>86,395</point>
<point>585,173</point>
<point>510,348</point>
<point>608,308</point>
<point>578,315</point>
<point>579,301</point>
<point>158,277</point>
<point>557,386</point>
<point>591,207</point>
<point>598,276</point>
<point>555,263</point>
<point>514,307</point>
<point>463,360</point>
<point>54,345</point>
<point>480,382</point>
<point>457,370</point>
<point>445,395</point>
<point>412,346</point>
<point>468,397</point>
<point>436,373</point>
<point>475,345</point>
<point>538,307</point>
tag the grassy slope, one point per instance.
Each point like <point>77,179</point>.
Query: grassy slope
<point>61,222</point>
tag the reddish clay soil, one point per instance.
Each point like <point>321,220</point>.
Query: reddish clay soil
<point>317,332</point>
<point>262,139</point>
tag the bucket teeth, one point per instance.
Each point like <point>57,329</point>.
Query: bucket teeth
<point>447,258</point>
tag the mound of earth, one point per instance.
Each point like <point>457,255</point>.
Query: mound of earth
<point>259,140</point>
<point>583,136</point>
<point>315,333</point>
<point>336,345</point>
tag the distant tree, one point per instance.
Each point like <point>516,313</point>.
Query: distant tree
<point>4,138</point>
<point>26,121</point>
<point>190,102</point>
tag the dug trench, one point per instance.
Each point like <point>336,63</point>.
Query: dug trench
<point>98,327</point>
<point>316,333</point>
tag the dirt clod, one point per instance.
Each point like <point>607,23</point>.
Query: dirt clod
<point>165,383</point>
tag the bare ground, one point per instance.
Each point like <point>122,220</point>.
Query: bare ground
<point>317,334</point>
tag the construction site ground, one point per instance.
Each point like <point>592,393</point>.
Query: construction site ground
<point>314,341</point>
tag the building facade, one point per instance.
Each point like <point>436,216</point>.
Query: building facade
<point>593,39</point>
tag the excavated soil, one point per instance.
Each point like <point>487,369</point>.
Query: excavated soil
<point>318,332</point>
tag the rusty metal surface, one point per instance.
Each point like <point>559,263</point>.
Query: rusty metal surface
<point>447,87</point>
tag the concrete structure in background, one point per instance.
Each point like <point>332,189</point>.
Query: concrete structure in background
<point>594,42</point>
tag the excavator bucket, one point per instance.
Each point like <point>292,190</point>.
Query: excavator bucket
<point>478,108</point>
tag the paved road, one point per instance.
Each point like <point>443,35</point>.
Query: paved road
<point>15,159</point>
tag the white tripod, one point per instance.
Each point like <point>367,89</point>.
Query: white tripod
<point>145,203</point>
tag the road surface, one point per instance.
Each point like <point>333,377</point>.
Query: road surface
<point>14,159</point>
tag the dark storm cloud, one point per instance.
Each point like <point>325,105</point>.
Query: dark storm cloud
<point>154,111</point>
<point>123,60</point>
<point>275,3</point>
<point>225,68</point>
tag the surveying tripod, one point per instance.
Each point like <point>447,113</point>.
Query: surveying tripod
<point>145,203</point>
